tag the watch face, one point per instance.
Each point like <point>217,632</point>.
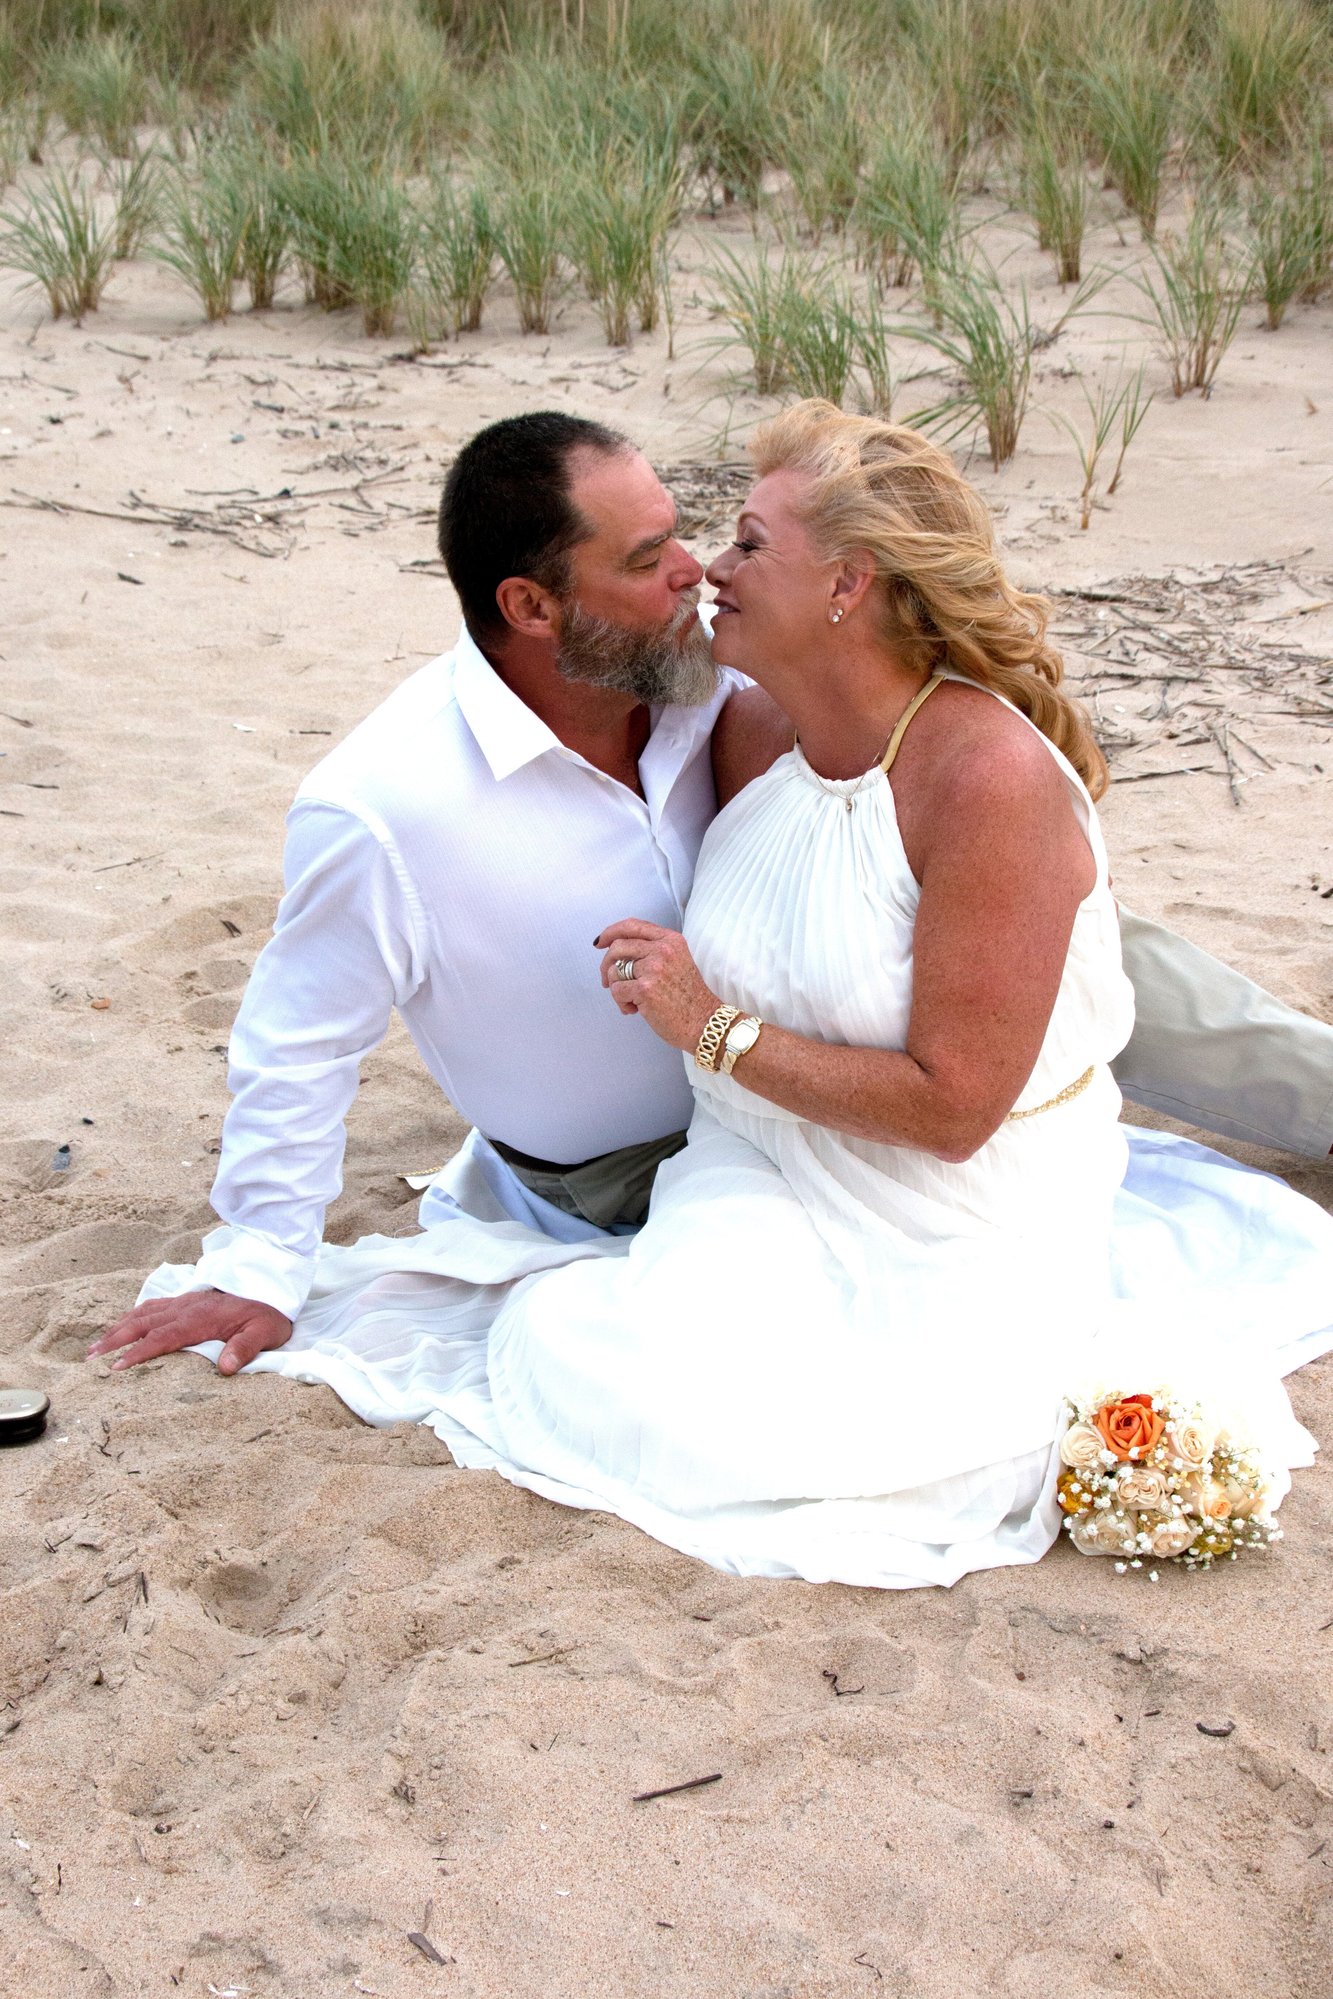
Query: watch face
<point>742,1037</point>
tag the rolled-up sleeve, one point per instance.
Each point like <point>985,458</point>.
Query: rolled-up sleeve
<point>345,952</point>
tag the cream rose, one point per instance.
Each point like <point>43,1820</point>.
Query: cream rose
<point>1081,1447</point>
<point>1206,1497</point>
<point>1245,1500</point>
<point>1142,1488</point>
<point>1102,1534</point>
<point>1191,1442</point>
<point>1171,1535</point>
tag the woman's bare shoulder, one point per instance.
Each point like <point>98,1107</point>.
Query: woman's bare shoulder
<point>751,733</point>
<point>964,744</point>
<point>972,769</point>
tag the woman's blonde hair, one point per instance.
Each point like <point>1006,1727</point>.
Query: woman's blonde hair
<point>884,490</point>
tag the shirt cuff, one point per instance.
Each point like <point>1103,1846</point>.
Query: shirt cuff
<point>250,1266</point>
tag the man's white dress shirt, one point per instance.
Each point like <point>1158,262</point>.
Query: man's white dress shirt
<point>453,859</point>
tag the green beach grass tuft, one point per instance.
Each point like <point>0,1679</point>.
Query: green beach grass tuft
<point>1196,292</point>
<point>100,88</point>
<point>62,245</point>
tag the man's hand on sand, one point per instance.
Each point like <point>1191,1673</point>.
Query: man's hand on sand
<point>165,1325</point>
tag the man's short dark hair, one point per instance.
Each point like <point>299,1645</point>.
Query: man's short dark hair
<point>506,510</point>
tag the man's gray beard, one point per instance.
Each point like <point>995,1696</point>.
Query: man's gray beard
<point>668,668</point>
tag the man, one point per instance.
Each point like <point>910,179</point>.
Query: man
<point>459,853</point>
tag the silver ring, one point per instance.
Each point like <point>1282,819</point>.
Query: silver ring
<point>625,968</point>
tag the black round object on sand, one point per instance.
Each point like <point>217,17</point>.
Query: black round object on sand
<point>22,1414</point>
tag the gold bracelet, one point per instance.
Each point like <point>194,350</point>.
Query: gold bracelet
<point>714,1034</point>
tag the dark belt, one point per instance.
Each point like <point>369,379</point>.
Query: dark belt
<point>525,1161</point>
<point>614,1187</point>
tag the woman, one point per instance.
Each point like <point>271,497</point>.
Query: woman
<point>839,1346</point>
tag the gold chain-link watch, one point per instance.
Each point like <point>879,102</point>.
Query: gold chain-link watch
<point>741,1037</point>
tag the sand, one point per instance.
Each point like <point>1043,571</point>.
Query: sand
<point>289,1706</point>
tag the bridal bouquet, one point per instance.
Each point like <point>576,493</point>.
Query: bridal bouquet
<point>1150,1478</point>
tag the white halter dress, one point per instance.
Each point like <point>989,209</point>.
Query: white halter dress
<point>821,1356</point>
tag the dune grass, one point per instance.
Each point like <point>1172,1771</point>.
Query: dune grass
<point>315,196</point>
<point>989,337</point>
<point>403,153</point>
<point>1118,406</point>
<point>353,230</point>
<point>822,147</point>
<point>907,217</point>
<point>1195,294</point>
<point>618,213</point>
<point>752,296</point>
<point>178,114</point>
<point>100,88</point>
<point>456,262</point>
<point>62,245</point>
<point>804,329</point>
<point>530,230</point>
<point>583,164</point>
<point>13,143</point>
<point>1269,61</point>
<point>199,41</point>
<point>135,184</point>
<point>376,247</point>
<point>874,334</point>
<point>736,113</point>
<point>1291,234</point>
<point>952,72</point>
<point>1130,108</point>
<point>259,190</point>
<point>199,236</point>
<point>820,337</point>
<point>1314,184</point>
<point>1053,184</point>
<point>379,80</point>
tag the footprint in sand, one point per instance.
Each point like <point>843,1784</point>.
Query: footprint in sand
<point>212,992</point>
<point>30,1165</point>
<point>773,1673</point>
<point>239,925</point>
<point>93,1249</point>
<point>207,952</point>
<point>242,1594</point>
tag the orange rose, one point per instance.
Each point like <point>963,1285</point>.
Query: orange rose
<point>1131,1426</point>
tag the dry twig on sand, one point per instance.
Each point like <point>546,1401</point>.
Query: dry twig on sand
<point>1195,639</point>
<point>261,524</point>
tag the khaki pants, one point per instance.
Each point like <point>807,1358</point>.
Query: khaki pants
<point>1213,1049</point>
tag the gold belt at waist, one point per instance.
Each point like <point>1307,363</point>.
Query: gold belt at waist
<point>1070,1090</point>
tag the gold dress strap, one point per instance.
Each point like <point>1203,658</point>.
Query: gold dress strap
<point>886,761</point>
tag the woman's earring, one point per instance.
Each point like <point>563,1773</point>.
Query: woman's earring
<point>835,617</point>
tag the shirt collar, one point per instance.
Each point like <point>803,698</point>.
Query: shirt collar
<point>507,731</point>
<point>509,734</point>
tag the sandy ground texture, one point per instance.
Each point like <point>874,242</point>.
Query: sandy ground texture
<point>292,1707</point>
